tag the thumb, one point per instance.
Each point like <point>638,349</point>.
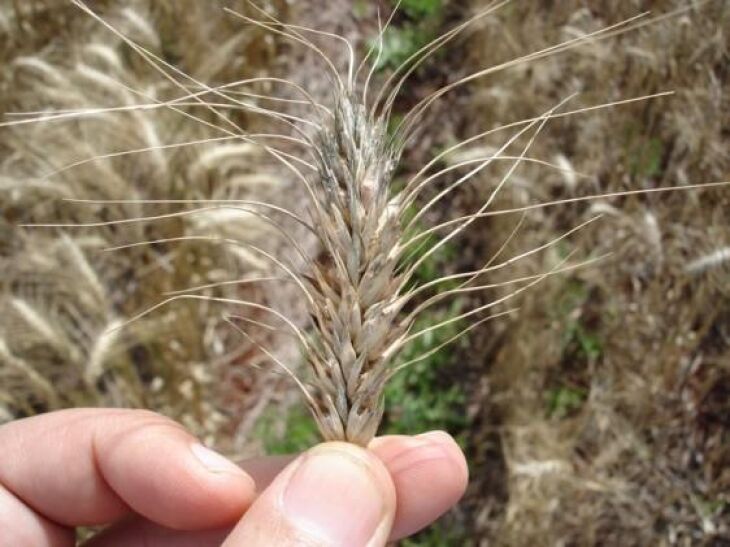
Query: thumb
<point>336,494</point>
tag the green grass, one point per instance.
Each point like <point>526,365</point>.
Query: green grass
<point>564,400</point>
<point>419,398</point>
<point>421,22</point>
<point>579,340</point>
<point>422,8</point>
<point>293,433</point>
<point>644,153</point>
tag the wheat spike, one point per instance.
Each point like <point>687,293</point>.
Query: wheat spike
<point>355,302</point>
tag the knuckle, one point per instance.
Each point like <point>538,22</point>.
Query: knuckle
<point>136,426</point>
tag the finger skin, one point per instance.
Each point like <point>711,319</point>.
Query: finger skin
<point>264,470</point>
<point>430,476</point>
<point>20,526</point>
<point>334,495</point>
<point>428,471</point>
<point>135,531</point>
<point>93,466</point>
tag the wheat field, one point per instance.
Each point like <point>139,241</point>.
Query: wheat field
<point>593,405</point>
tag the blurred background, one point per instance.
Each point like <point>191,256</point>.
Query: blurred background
<point>598,413</point>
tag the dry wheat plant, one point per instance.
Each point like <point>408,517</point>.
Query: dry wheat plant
<point>143,175</point>
<point>600,409</point>
<point>62,297</point>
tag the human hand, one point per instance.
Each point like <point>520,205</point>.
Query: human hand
<point>157,486</point>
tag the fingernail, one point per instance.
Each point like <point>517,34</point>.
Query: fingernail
<point>440,437</point>
<point>450,450</point>
<point>415,455</point>
<point>214,462</point>
<point>334,497</point>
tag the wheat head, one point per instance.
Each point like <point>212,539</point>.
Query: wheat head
<point>353,288</point>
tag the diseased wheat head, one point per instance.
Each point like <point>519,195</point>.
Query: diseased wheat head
<point>359,289</point>
<point>353,286</point>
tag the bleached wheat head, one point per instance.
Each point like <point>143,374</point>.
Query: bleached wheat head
<point>354,286</point>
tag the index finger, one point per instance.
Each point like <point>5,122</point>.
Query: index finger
<point>93,466</point>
